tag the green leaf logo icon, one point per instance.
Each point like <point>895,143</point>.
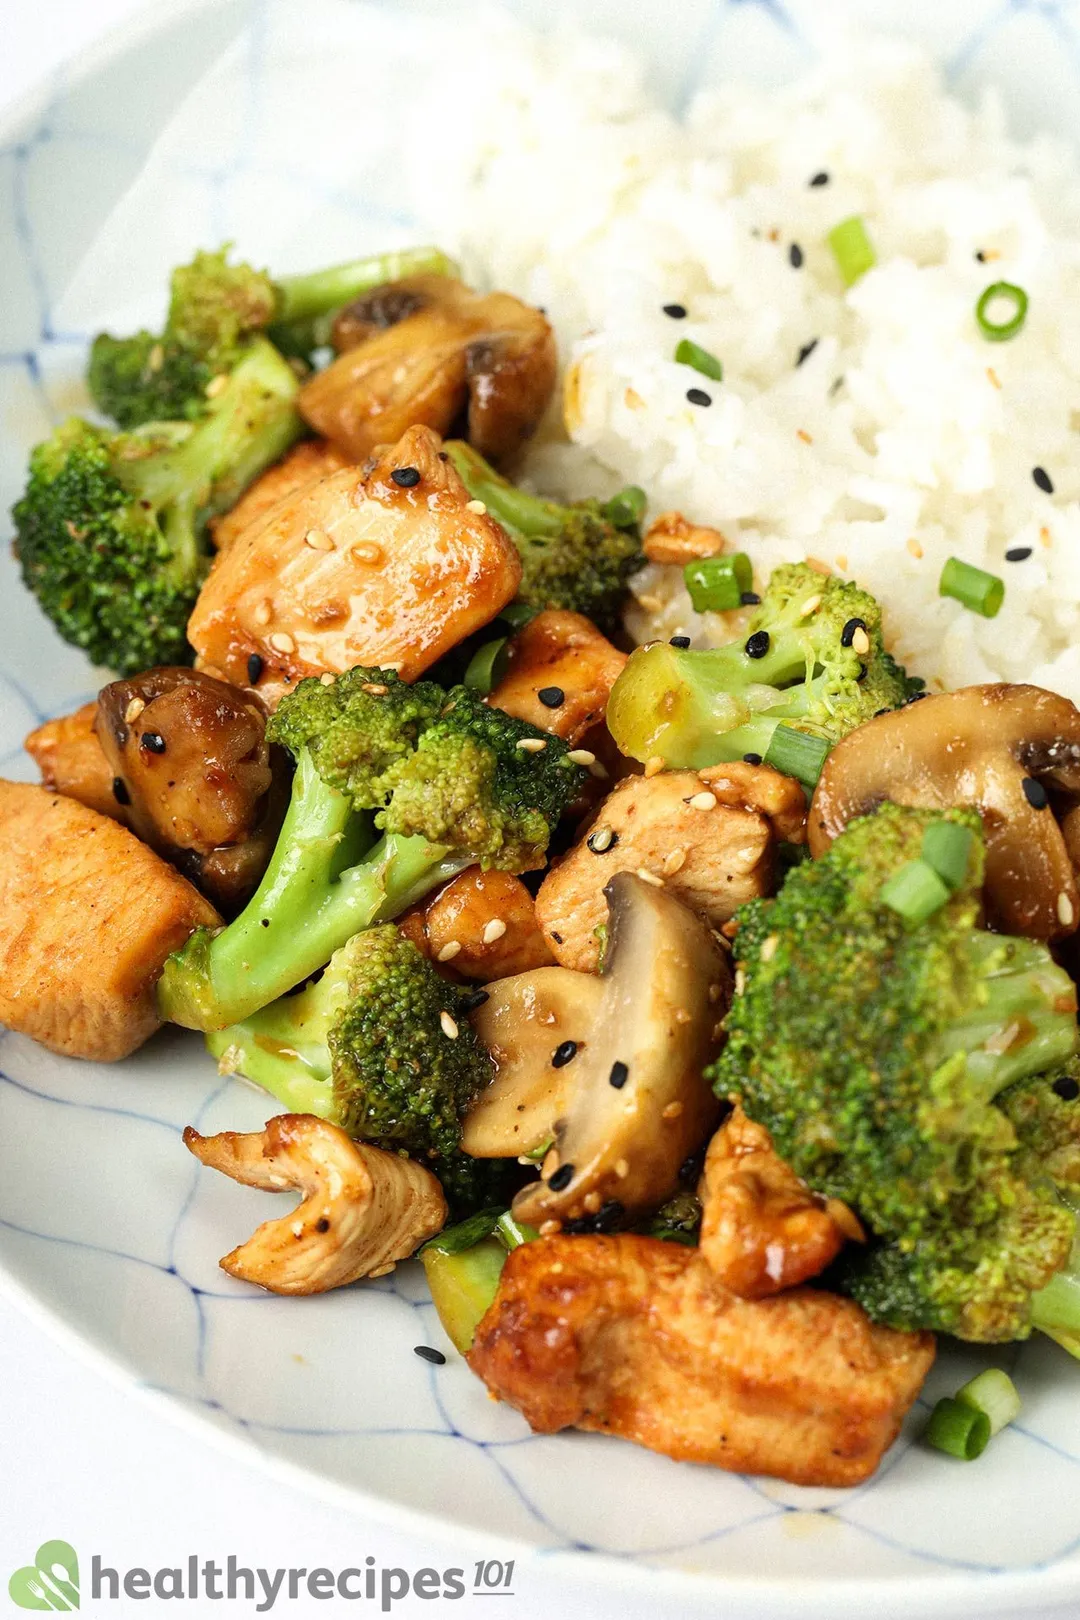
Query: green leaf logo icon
<point>51,1582</point>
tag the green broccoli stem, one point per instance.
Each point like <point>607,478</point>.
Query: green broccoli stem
<point>1024,1024</point>
<point>1055,1309</point>
<point>528,517</point>
<point>319,292</point>
<point>284,1049</point>
<point>325,882</point>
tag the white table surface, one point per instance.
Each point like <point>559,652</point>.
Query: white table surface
<point>85,1461</point>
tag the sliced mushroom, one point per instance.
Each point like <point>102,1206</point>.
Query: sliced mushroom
<point>529,1024</point>
<point>559,672</point>
<point>671,538</point>
<point>1013,752</point>
<point>361,567</point>
<point>422,351</point>
<point>199,781</point>
<point>762,1229</point>
<point>304,464</point>
<point>362,1211</point>
<point>70,758</point>
<point>638,1101</point>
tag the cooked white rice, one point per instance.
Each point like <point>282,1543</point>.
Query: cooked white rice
<point>905,437</point>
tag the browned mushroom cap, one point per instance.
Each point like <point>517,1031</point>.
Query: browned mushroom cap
<point>363,1209</point>
<point>193,764</point>
<point>1006,750</point>
<point>422,351</point>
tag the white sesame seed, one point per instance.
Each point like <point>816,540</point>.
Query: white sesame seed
<point>319,540</point>
<point>674,862</point>
<point>702,801</point>
<point>581,756</point>
<point>860,641</point>
<point>715,992</point>
<point>654,765</point>
<point>1065,910</point>
<point>476,506</point>
<point>549,1228</point>
<point>768,947</point>
<point>262,613</point>
<point>672,1111</point>
<point>592,1203</point>
<point>532,745</point>
<point>217,385</point>
<point>493,930</point>
<point>601,840</point>
<point>740,981</point>
<point>622,1169</point>
<point>811,605</point>
<point>374,688</point>
<point>134,709</point>
<point>230,1060</point>
<point>282,642</point>
<point>367,551</point>
<point>326,679</point>
<point>448,951</point>
<point>600,772</point>
<point>651,604</point>
<point>650,877</point>
<point>682,1016</point>
<point>449,1028</point>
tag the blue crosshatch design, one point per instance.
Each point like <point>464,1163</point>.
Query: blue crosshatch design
<point>112,1278</point>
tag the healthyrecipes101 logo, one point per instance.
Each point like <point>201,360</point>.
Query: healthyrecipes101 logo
<point>50,1582</point>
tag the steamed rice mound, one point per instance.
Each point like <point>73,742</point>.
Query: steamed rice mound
<point>904,436</point>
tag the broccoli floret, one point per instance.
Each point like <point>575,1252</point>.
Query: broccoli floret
<point>109,532</point>
<point>438,774</point>
<point>380,1045</point>
<point>878,1054</point>
<point>577,557</point>
<point>812,661</point>
<point>216,310</point>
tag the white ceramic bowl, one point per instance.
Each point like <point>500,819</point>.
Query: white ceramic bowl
<point>109,1228</point>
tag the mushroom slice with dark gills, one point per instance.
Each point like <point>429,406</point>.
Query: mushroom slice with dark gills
<point>195,775</point>
<point>1012,752</point>
<point>363,1209</point>
<point>612,1073</point>
<point>428,350</point>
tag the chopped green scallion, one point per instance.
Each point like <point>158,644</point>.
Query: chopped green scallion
<point>946,847</point>
<point>689,353</point>
<point>1002,292</point>
<point>995,1395</point>
<point>957,1429</point>
<point>513,1232</point>
<point>852,249</point>
<point>627,508</point>
<point>717,584</point>
<point>915,892</point>
<point>486,666</point>
<point>796,753</point>
<point>973,587</point>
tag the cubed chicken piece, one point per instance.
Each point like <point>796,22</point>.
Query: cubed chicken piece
<point>482,925</point>
<point>389,567</point>
<point>671,538</point>
<point>88,915</point>
<point>304,464</point>
<point>635,1337</point>
<point>559,673</point>
<point>709,836</point>
<point>71,761</point>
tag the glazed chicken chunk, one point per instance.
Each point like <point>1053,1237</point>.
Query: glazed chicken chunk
<point>69,756</point>
<point>389,567</point>
<point>559,673</point>
<point>305,464</point>
<point>631,1336</point>
<point>709,836</point>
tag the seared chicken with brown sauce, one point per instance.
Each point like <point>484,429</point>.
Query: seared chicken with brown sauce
<point>305,464</point>
<point>709,837</point>
<point>558,673</point>
<point>426,350</point>
<point>635,1337</point>
<point>388,567</point>
<point>481,926</point>
<point>69,755</point>
<point>88,915</point>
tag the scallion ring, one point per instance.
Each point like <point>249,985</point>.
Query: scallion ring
<point>974,587</point>
<point>946,847</point>
<point>796,753</point>
<point>689,353</point>
<point>957,1429</point>
<point>486,666</point>
<point>995,1395</point>
<point>717,584</point>
<point>1001,331</point>
<point>915,892</point>
<point>852,249</point>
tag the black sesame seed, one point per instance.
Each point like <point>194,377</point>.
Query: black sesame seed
<point>609,1215</point>
<point>153,742</point>
<point>563,1054</point>
<point>980,255</point>
<point>556,937</point>
<point>1035,794</point>
<point>795,256</point>
<point>406,477</point>
<point>752,759</point>
<point>698,396</point>
<point>619,1075</point>
<point>1043,480</point>
<point>322,1224</point>
<point>750,599</point>
<point>560,1178</point>
<point>821,178</point>
<point>120,790</point>
<point>757,645</point>
<point>608,842</point>
<point>265,921</point>
<point>473,999</point>
<point>1067,1088</point>
<point>806,351</point>
<point>847,634</point>
<point>552,697</point>
<point>255,668</point>
<point>676,311</point>
<point>427,1352</point>
<point>680,641</point>
<point>1018,554</point>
